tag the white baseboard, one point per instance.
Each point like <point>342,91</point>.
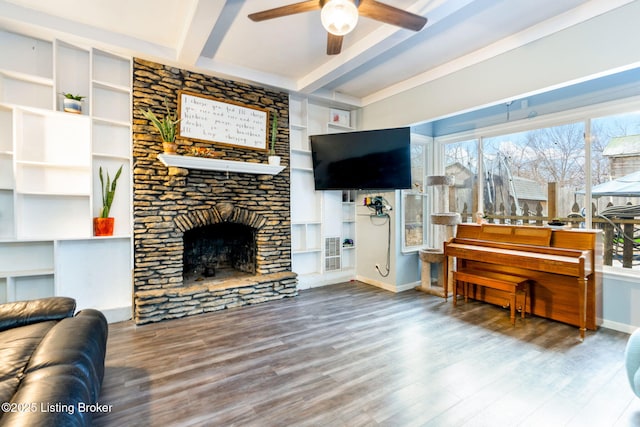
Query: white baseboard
<point>387,286</point>
<point>119,314</point>
<point>620,327</point>
<point>308,281</point>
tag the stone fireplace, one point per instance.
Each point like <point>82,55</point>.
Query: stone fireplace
<point>206,240</point>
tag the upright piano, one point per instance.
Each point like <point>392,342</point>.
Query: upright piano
<point>564,265</point>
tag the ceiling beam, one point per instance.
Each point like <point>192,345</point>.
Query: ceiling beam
<point>197,29</point>
<point>376,43</point>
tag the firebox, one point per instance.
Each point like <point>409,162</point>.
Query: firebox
<point>219,251</point>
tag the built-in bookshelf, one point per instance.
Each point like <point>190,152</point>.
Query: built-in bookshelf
<point>322,222</point>
<point>49,163</point>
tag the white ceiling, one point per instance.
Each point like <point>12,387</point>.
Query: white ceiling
<point>377,60</point>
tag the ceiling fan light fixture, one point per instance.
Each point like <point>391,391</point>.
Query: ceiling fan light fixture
<point>339,17</point>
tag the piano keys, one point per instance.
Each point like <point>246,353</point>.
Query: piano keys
<point>564,265</point>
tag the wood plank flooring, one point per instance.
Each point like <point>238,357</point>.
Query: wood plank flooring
<point>355,355</point>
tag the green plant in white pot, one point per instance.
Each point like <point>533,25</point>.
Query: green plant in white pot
<point>103,225</point>
<point>273,158</point>
<point>72,103</point>
<point>166,127</point>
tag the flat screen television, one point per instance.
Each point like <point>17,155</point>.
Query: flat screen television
<point>365,160</point>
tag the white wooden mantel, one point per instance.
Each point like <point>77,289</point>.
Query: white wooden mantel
<point>204,163</point>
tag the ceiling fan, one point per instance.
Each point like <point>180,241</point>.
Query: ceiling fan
<point>339,17</point>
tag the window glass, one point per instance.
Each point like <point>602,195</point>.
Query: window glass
<point>461,161</point>
<point>523,171</point>
<point>615,186</point>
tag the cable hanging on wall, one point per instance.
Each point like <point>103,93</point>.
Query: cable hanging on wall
<point>380,208</point>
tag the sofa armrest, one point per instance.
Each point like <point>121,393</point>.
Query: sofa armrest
<point>20,313</point>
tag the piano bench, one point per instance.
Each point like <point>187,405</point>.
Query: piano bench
<point>513,285</point>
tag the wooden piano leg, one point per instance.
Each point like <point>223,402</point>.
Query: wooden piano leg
<point>582,309</point>
<point>524,302</point>
<point>512,303</point>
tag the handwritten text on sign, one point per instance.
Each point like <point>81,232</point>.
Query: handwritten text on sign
<point>218,121</point>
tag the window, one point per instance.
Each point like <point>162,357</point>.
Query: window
<point>533,171</point>
<point>414,202</point>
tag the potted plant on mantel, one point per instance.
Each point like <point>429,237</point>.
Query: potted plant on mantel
<point>72,103</point>
<point>273,158</point>
<point>103,225</point>
<point>166,126</point>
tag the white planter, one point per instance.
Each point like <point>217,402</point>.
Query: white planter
<point>72,105</point>
<point>274,160</point>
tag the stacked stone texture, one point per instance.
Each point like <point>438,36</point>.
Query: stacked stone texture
<point>167,202</point>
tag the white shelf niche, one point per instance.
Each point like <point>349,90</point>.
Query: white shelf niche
<point>306,237</point>
<point>72,74</point>
<point>111,70</point>
<point>7,220</point>
<point>111,140</point>
<point>203,163</point>
<point>26,258</point>
<point>41,216</point>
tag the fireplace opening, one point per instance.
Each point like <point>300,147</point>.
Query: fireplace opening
<point>218,251</point>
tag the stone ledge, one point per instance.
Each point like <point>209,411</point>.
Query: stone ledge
<point>169,303</point>
<point>208,287</point>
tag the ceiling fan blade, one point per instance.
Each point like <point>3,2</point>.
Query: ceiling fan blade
<point>334,44</point>
<point>391,15</point>
<point>290,9</point>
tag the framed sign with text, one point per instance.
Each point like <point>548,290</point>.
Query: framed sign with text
<point>210,119</point>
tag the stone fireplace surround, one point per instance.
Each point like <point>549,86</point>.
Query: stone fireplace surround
<point>167,202</point>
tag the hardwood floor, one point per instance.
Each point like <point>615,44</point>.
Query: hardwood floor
<point>354,355</point>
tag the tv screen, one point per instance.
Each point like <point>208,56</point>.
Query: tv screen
<point>366,160</point>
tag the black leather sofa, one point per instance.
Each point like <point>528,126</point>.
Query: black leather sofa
<point>51,363</point>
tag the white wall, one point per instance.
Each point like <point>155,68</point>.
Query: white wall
<point>373,242</point>
<point>599,46</point>
<point>621,300</point>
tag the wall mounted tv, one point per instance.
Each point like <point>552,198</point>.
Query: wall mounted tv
<point>365,160</point>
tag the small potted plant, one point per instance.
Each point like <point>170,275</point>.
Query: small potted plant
<point>273,158</point>
<point>103,225</point>
<point>166,126</point>
<point>72,103</point>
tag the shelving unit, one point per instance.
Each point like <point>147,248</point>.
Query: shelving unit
<point>320,220</point>
<point>349,229</point>
<point>49,163</point>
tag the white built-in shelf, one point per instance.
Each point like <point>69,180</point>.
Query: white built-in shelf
<point>301,151</point>
<point>343,128</point>
<point>203,163</point>
<point>28,78</point>
<point>111,86</point>
<point>27,273</point>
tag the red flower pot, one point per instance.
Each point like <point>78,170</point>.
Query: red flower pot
<point>103,226</point>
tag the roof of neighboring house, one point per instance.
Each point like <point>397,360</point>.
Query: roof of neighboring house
<point>622,146</point>
<point>527,189</point>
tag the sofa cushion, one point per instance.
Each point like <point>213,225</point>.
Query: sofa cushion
<point>16,347</point>
<point>65,370</point>
<point>20,313</point>
<point>80,341</point>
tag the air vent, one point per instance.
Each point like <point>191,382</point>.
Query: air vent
<point>332,253</point>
